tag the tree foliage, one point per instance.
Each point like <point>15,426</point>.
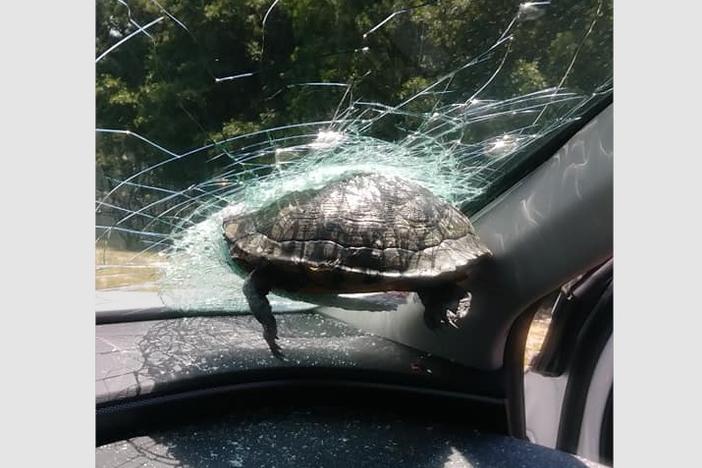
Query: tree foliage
<point>168,83</point>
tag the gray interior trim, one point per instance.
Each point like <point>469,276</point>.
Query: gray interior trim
<point>543,402</point>
<point>598,392</point>
<point>553,225</point>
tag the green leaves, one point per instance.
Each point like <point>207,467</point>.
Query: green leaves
<point>164,84</point>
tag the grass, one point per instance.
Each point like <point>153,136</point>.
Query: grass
<point>116,268</point>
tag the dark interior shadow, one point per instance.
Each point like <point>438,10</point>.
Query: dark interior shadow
<point>327,437</point>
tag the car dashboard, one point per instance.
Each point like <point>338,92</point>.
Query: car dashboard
<point>206,391</point>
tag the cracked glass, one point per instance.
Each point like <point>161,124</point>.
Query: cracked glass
<point>208,108</point>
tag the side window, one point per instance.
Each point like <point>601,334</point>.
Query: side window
<point>568,379</point>
<point>539,327</point>
<point>542,321</point>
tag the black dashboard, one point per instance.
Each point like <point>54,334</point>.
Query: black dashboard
<point>205,391</point>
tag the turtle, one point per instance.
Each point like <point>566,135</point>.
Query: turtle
<point>359,233</point>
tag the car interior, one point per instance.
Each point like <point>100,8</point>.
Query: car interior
<point>376,387</point>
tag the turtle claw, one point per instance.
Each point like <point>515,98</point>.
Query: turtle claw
<point>452,319</point>
<point>458,311</point>
<point>270,336</point>
<point>276,351</point>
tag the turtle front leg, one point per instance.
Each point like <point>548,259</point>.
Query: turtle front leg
<point>445,306</point>
<point>255,288</point>
<point>434,312</point>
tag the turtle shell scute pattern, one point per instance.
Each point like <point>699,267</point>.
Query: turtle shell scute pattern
<point>362,223</point>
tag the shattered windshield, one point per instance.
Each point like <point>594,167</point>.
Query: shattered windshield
<point>206,110</point>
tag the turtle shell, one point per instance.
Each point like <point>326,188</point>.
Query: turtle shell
<point>363,232</point>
